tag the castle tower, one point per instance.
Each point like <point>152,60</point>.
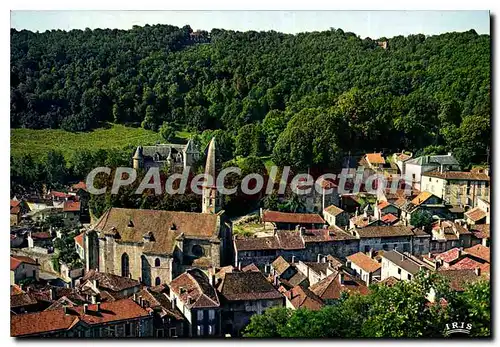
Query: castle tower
<point>138,159</point>
<point>191,154</point>
<point>211,200</point>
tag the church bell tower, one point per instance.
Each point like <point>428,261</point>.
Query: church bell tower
<point>211,200</point>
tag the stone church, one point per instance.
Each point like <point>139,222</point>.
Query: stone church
<point>164,155</point>
<point>155,246</point>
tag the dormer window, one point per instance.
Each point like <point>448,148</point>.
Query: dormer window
<point>130,224</point>
<point>148,237</point>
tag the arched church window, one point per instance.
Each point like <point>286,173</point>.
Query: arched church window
<point>157,281</point>
<point>197,251</point>
<point>157,262</point>
<point>125,265</point>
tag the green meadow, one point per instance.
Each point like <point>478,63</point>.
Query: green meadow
<point>39,142</point>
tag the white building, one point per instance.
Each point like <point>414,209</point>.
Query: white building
<point>400,265</point>
<point>414,168</point>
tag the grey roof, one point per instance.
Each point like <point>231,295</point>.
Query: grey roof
<point>434,159</point>
<point>163,150</point>
<point>402,261</point>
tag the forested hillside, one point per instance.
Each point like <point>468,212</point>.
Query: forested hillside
<point>305,98</point>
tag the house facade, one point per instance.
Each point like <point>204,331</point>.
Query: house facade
<point>194,295</point>
<point>400,265</point>
<point>22,268</point>
<point>457,187</point>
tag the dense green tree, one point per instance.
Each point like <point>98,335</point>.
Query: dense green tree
<point>421,219</point>
<point>167,132</point>
<point>54,167</point>
<point>399,311</point>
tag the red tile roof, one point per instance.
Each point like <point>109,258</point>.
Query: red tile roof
<point>304,298</point>
<point>479,251</point>
<point>330,287</point>
<point>79,185</point>
<point>194,289</point>
<point>250,267</point>
<point>385,231</point>
<point>55,194</point>
<point>466,263</point>
<point>17,260</point>
<point>383,204</point>
<point>334,210</point>
<point>15,289</point>
<point>449,256</point>
<point>475,214</point>
<point>56,320</point>
<point>481,231</point>
<point>79,240</point>
<point>389,218</point>
<point>459,279</point>
<point>109,281</point>
<point>71,206</point>
<point>364,262</point>
<point>375,158</point>
<point>458,175</point>
<point>15,206</point>
<point>280,265</point>
<point>403,156</point>
<point>290,239</point>
<point>292,218</point>
<point>257,243</point>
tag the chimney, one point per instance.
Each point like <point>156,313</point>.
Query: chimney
<point>212,279</point>
<point>85,308</point>
<point>293,259</point>
<point>98,306</point>
<point>140,300</point>
<point>323,260</point>
<point>239,265</point>
<point>95,283</point>
<point>266,268</point>
<point>93,299</point>
<point>477,271</point>
<point>460,251</point>
<point>370,253</point>
<point>318,260</point>
<point>52,293</point>
<point>135,297</point>
<point>302,231</point>
<point>65,308</point>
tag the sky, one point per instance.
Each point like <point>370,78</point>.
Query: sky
<point>372,24</point>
